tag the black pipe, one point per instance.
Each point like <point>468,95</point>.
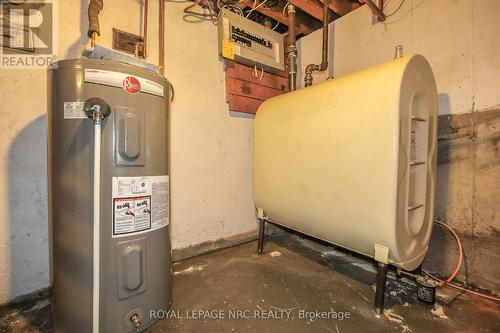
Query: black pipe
<point>324,56</point>
<point>262,227</point>
<point>95,6</point>
<point>292,49</point>
<point>380,283</point>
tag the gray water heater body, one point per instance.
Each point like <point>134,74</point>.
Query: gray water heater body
<point>135,254</point>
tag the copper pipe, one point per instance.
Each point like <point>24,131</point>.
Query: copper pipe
<point>145,29</point>
<point>92,39</point>
<point>161,37</point>
<point>292,49</point>
<point>324,58</point>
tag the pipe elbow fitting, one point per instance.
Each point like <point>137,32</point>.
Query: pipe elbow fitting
<point>308,79</point>
<point>310,68</point>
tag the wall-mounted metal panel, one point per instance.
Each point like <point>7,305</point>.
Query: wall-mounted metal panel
<point>250,43</point>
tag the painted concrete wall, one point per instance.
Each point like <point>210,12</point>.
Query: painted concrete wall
<point>211,148</point>
<point>461,41</point>
<point>457,37</point>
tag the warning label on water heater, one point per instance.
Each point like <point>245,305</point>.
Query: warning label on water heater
<point>140,204</point>
<point>74,110</point>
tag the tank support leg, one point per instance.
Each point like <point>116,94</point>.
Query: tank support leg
<point>262,227</point>
<point>380,287</point>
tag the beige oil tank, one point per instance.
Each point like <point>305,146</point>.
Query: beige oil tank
<point>352,161</point>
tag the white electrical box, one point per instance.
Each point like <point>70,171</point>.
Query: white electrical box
<point>250,43</point>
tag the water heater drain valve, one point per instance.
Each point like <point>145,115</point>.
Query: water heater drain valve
<point>136,320</point>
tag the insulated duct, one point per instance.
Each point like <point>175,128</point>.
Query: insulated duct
<point>95,6</point>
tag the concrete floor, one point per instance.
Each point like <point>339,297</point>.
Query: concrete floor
<point>294,276</point>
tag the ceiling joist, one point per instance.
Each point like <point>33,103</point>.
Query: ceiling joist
<point>304,26</point>
<point>309,16</point>
<point>311,7</point>
<point>342,7</point>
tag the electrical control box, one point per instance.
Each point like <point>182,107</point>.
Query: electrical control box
<point>250,43</point>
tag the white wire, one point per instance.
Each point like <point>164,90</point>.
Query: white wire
<point>284,13</point>
<point>236,9</point>
<point>254,74</point>
<point>213,16</point>
<point>256,7</point>
<point>284,8</point>
<point>231,7</point>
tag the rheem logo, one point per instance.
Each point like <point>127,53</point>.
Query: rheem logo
<point>131,85</point>
<point>27,29</point>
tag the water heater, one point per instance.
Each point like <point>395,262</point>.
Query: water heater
<point>109,196</point>
<point>352,161</point>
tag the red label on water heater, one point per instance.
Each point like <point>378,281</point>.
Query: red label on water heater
<point>131,85</point>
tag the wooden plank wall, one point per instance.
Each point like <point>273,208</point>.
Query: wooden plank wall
<point>246,90</point>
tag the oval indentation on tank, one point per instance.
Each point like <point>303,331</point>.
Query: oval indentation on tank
<point>133,263</point>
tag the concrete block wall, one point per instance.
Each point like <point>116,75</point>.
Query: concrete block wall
<point>461,41</point>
